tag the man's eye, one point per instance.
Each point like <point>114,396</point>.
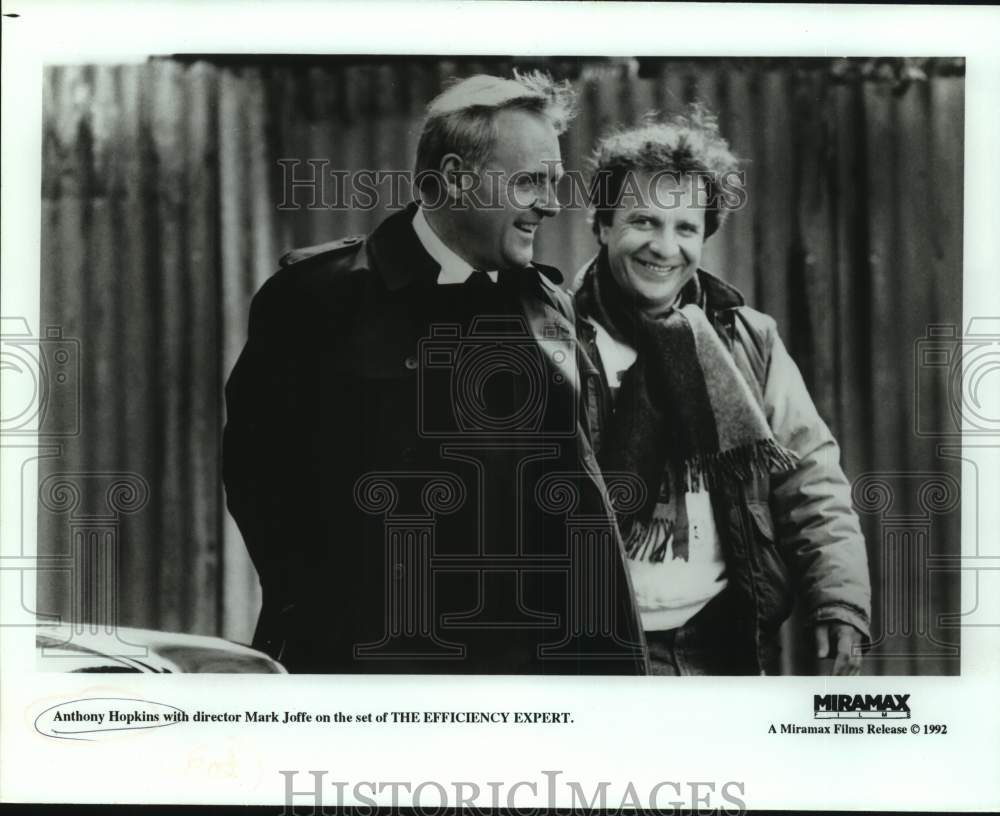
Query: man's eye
<point>641,220</point>
<point>688,229</point>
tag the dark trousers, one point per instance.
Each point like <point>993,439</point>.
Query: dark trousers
<point>708,644</point>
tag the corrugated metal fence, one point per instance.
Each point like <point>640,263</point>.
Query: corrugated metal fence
<point>160,190</point>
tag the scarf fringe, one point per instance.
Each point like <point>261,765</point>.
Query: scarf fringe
<point>760,458</point>
<point>641,537</point>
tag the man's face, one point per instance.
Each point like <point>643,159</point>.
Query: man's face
<point>524,169</point>
<point>655,239</point>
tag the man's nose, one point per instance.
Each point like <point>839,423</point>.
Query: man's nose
<point>664,243</point>
<point>547,203</point>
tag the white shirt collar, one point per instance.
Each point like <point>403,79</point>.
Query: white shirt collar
<point>453,268</point>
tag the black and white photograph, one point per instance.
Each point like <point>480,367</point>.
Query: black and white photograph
<point>497,365</point>
<point>472,388</point>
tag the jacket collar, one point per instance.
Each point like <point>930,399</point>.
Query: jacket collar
<point>398,256</point>
<point>716,294</point>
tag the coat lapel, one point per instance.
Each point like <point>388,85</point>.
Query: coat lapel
<point>553,332</point>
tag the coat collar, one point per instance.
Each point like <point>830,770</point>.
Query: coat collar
<point>717,295</point>
<point>397,255</point>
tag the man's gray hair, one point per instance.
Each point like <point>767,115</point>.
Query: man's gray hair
<point>462,119</point>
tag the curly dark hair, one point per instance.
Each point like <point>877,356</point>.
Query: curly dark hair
<point>687,144</point>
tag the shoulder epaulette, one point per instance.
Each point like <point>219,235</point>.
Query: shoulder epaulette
<point>300,254</point>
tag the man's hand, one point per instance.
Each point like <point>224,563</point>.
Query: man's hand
<point>844,637</point>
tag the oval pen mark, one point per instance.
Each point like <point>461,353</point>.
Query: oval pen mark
<point>102,715</point>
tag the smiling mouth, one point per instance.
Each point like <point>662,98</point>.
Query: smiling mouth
<point>527,229</point>
<point>656,268</point>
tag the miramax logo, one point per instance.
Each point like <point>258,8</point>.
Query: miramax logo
<point>861,706</point>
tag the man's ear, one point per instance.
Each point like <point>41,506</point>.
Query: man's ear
<point>602,232</point>
<point>457,176</point>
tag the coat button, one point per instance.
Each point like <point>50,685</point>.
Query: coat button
<point>411,363</point>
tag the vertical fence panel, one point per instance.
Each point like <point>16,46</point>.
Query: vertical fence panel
<point>914,251</point>
<point>349,140</point>
<point>706,84</point>
<point>852,302</point>
<point>918,227</point>
<point>171,98</point>
<point>946,146</point>
<point>772,187</point>
<point>319,119</point>
<point>100,395</point>
<point>62,302</point>
<point>241,593</point>
<point>50,590</point>
<point>946,141</point>
<point>644,98</point>
<point>811,293</point>
<point>571,228</point>
<point>103,264</point>
<point>201,281</point>
<point>135,230</point>
<point>738,233</point>
<point>879,192</point>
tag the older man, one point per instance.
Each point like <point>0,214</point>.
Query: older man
<point>746,508</point>
<point>402,415</point>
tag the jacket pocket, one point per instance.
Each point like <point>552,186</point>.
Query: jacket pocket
<point>772,576</point>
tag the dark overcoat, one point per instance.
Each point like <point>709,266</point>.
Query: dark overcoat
<point>362,511</point>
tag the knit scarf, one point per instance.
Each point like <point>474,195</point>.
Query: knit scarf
<point>683,406</point>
